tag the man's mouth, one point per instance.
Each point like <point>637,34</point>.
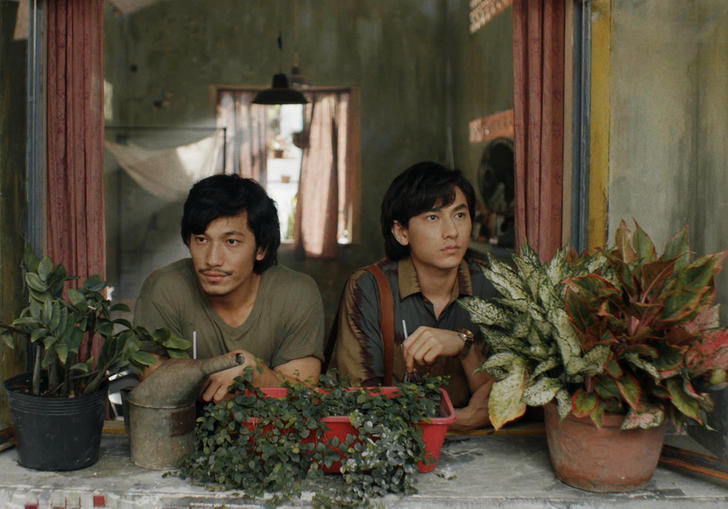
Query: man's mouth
<point>214,275</point>
<point>451,249</point>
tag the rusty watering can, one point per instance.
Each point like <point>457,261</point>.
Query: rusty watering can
<point>160,410</point>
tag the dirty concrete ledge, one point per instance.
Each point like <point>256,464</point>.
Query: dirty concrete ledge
<point>481,470</point>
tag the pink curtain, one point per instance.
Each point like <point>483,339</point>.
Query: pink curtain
<point>75,127</point>
<point>246,134</point>
<point>538,68</point>
<point>328,193</point>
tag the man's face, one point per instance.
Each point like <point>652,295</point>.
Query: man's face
<point>437,238</point>
<point>224,255</point>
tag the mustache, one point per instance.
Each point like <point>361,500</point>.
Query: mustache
<point>215,272</point>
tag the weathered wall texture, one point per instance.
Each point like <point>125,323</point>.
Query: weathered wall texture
<point>12,188</point>
<point>668,133</point>
<point>395,51</point>
<point>480,75</point>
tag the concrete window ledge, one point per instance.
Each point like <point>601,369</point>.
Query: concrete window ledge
<point>480,470</point>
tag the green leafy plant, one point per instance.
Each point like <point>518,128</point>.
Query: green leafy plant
<point>264,445</point>
<point>61,329</point>
<point>619,330</point>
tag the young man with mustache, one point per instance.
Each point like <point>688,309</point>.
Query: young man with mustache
<point>231,295</point>
<point>426,220</point>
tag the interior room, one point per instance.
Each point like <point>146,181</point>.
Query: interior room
<point>567,116</point>
<point>414,105</point>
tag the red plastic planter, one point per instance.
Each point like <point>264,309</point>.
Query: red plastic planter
<point>433,430</point>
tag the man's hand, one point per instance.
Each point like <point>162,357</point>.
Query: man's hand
<point>305,369</point>
<point>426,344</point>
<point>217,384</point>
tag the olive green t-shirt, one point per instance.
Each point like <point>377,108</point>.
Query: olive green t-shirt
<point>286,322</point>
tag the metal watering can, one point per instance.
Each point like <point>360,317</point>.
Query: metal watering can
<point>160,411</point>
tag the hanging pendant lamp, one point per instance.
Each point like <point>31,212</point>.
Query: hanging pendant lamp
<point>280,92</point>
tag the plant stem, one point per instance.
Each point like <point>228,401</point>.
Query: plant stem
<point>36,371</point>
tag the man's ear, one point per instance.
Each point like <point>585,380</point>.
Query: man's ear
<point>400,233</point>
<point>260,253</point>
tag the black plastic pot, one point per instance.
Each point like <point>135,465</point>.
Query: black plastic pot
<point>56,433</point>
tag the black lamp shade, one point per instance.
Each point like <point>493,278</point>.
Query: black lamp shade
<point>280,93</point>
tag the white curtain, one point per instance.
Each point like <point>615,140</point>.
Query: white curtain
<point>168,173</point>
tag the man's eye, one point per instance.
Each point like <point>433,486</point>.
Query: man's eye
<point>431,217</point>
<point>233,242</point>
<point>199,240</point>
<point>460,215</point>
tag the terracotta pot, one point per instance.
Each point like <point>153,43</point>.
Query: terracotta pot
<point>604,459</point>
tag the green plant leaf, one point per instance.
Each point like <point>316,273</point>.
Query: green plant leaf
<point>7,338</point>
<point>34,282</point>
<point>62,352</point>
<point>643,245</point>
<point>30,260</point>
<point>143,358</point>
<point>583,403</point>
<point>643,418</point>
<point>177,343</point>
<point>543,367</point>
<point>563,403</point>
<point>613,368</point>
<point>566,339</point>
<point>623,246</point>
<point>606,388</point>
<point>678,249</point>
<point>505,402</point>
<point>120,307</point>
<point>45,268</point>
<point>687,405</point>
<point>630,390</point>
<point>543,391</point>
<point>94,283</point>
<point>484,312</point>
<point>640,363</point>
<point>505,279</point>
<point>77,298</point>
<point>81,366</point>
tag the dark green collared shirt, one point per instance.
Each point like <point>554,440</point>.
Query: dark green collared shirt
<point>359,348</point>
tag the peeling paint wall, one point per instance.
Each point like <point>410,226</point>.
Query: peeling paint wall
<point>669,121</point>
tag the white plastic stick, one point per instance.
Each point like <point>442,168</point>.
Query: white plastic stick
<point>194,344</point>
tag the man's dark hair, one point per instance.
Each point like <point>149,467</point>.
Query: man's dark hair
<point>229,195</point>
<point>416,190</point>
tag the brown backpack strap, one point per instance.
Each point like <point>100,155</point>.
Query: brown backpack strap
<point>387,319</point>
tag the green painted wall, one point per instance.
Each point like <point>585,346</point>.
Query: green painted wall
<point>481,66</point>
<point>668,133</point>
<point>12,189</point>
<point>394,51</point>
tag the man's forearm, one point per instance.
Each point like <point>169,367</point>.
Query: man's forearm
<point>475,414</point>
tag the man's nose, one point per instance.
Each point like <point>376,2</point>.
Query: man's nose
<point>449,229</point>
<point>213,255</point>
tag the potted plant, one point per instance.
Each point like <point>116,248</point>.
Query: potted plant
<point>612,343</point>
<point>280,440</point>
<point>58,409</point>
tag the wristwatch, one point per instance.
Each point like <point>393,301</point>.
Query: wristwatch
<point>468,339</point>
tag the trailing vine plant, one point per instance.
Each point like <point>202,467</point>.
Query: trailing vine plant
<point>259,444</point>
